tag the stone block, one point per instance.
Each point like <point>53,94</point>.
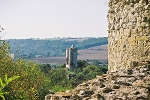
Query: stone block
<point>142,38</point>
<point>107,90</point>
<point>132,41</point>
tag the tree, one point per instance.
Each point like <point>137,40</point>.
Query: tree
<point>62,65</point>
<point>91,71</point>
<point>82,63</point>
<point>45,68</point>
<point>58,79</point>
<point>29,85</point>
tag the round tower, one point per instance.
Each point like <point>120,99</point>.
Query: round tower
<point>128,33</point>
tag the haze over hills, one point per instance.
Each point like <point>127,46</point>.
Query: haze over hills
<point>53,47</point>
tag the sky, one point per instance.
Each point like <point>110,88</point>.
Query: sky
<point>23,19</point>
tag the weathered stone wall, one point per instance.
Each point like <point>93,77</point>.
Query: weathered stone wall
<point>129,33</point>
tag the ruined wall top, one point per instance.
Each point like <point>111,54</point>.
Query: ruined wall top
<point>128,33</point>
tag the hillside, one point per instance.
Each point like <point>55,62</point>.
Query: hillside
<point>53,47</point>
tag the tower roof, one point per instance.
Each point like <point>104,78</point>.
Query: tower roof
<point>72,46</point>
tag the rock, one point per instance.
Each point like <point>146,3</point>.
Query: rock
<point>97,97</point>
<point>136,92</point>
<point>116,86</point>
<point>123,83</point>
<point>48,97</point>
<point>141,98</point>
<point>121,88</point>
<point>87,98</point>
<point>107,90</point>
<point>75,97</point>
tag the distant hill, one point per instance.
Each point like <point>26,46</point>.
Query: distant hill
<point>53,47</point>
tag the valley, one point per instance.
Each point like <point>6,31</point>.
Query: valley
<point>92,53</point>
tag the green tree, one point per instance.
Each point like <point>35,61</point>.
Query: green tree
<point>30,83</point>
<point>91,71</point>
<point>82,63</point>
<point>45,68</point>
<point>59,79</point>
<point>62,65</point>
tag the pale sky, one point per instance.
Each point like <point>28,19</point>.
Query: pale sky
<point>53,18</point>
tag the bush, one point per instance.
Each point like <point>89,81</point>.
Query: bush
<point>4,83</point>
<point>31,81</point>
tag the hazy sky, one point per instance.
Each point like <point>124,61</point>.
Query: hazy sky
<point>53,18</point>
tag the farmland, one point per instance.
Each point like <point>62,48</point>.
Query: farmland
<point>92,53</point>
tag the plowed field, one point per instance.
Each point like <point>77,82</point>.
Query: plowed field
<point>93,53</point>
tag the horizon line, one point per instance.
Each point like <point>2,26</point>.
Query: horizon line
<point>57,38</point>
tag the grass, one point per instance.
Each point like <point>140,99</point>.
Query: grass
<point>61,88</point>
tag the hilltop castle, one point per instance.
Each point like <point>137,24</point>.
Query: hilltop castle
<point>71,57</point>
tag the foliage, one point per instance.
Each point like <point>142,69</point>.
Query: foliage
<point>62,65</point>
<point>29,85</point>
<point>4,83</point>
<point>98,62</point>
<point>30,81</point>
<point>82,63</point>
<point>61,88</point>
<point>91,71</point>
<point>45,68</point>
<point>87,73</point>
<point>61,79</point>
<point>5,59</point>
<point>58,79</point>
<point>90,42</point>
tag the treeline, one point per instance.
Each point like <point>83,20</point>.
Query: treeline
<point>29,48</point>
<point>36,80</point>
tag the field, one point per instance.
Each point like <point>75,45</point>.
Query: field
<point>93,53</point>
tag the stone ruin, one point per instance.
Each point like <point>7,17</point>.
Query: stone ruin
<point>131,84</point>
<point>128,76</point>
<point>129,33</point>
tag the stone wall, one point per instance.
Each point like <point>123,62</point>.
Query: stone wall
<point>129,33</point>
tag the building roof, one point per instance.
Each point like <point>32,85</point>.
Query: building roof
<point>72,46</point>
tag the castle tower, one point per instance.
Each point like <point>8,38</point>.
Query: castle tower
<point>128,33</point>
<point>71,57</point>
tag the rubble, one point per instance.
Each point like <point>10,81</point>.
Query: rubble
<point>129,86</point>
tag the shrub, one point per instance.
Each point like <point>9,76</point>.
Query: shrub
<point>4,83</point>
